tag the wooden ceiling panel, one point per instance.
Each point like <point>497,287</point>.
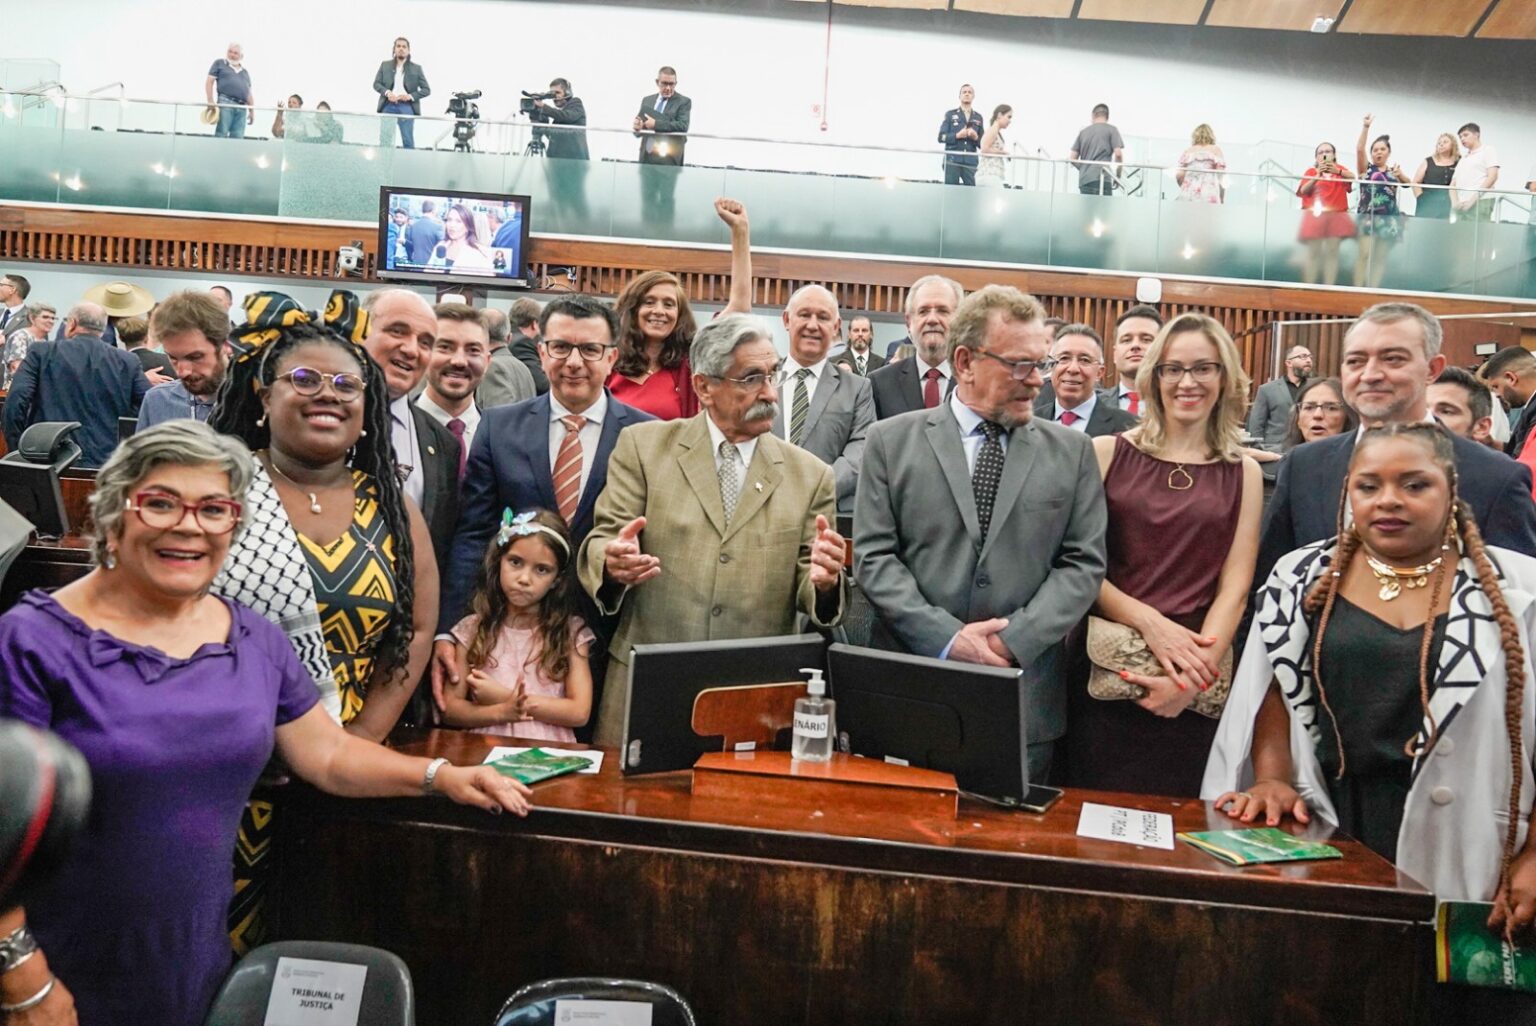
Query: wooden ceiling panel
<point>1397,18</point>
<point>1162,12</point>
<point>1019,8</point>
<point>1296,15</point>
<point>1512,19</point>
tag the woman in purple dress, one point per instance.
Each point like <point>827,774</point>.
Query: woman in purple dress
<point>176,697</point>
<point>1183,537</point>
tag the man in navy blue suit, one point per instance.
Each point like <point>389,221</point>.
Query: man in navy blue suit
<point>519,448</point>
<point>1391,354</point>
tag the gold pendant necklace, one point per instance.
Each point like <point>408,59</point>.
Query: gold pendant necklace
<point>1178,473</point>
<point>314,497</point>
<point>1393,580</point>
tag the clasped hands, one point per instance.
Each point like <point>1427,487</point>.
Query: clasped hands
<point>624,562</point>
<point>1190,663</point>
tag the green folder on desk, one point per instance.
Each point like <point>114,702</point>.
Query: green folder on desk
<point>1260,844</point>
<point>536,764</point>
<point>1466,951</point>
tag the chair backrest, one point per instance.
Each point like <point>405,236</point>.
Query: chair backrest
<point>387,997</point>
<point>534,1005</point>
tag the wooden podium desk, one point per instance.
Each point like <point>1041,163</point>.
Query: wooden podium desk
<point>761,913</point>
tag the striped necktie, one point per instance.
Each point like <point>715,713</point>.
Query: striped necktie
<point>800,408</point>
<point>568,467</point>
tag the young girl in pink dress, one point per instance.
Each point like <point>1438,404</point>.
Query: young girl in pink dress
<point>526,649</point>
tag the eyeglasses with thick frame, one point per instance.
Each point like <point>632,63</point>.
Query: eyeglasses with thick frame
<point>1205,372</point>
<point>1020,369</point>
<point>309,382</point>
<point>163,511</point>
<point>590,351</point>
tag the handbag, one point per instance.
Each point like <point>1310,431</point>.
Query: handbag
<point>1114,647</point>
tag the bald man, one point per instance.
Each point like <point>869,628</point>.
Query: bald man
<point>824,408</point>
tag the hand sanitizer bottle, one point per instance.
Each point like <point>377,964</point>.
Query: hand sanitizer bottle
<point>815,721</point>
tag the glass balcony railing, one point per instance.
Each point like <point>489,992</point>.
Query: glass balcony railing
<point>802,196</point>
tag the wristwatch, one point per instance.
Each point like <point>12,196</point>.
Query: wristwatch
<point>16,948</point>
<point>428,782</point>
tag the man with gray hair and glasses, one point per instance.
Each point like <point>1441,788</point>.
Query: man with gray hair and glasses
<point>1391,354</point>
<point>78,378</point>
<point>711,527</point>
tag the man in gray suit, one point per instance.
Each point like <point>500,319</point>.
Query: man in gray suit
<point>506,379</point>
<point>979,529</point>
<point>826,409</point>
<point>1270,417</point>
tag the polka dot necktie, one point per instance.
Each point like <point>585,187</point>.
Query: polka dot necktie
<point>730,478</point>
<point>988,474</point>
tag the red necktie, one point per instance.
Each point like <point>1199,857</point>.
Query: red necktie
<point>457,427</point>
<point>1135,407</point>
<point>1069,418</point>
<point>931,387</point>
<point>568,467</point>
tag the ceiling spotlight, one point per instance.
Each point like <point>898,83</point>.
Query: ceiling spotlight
<point>1321,24</point>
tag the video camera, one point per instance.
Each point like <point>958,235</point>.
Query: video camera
<point>526,104</point>
<point>467,113</point>
<point>45,797</point>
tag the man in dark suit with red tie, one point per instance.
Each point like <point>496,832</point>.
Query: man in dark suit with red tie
<point>1134,332</point>
<point>922,382</point>
<point>547,452</point>
<point>1075,402</point>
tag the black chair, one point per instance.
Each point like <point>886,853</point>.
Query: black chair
<point>534,1005</point>
<point>388,999</point>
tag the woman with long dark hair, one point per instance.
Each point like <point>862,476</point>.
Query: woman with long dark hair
<point>461,246</point>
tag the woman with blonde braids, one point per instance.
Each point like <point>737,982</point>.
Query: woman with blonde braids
<point>1385,684</point>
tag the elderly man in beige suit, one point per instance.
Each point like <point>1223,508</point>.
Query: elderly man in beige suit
<point>711,527</point>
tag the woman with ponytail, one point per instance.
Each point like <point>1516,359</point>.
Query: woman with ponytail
<point>1386,685</point>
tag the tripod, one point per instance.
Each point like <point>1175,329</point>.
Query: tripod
<point>463,132</point>
<point>536,145</point>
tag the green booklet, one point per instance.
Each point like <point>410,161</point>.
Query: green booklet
<point>536,764</point>
<point>1466,951</point>
<point>1260,844</point>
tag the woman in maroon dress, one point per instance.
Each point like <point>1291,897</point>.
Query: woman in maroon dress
<point>656,327</point>
<point>1183,537</point>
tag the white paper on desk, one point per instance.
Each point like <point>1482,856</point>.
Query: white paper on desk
<point>603,1013</point>
<point>309,992</point>
<point>595,758</point>
<point>1128,826</point>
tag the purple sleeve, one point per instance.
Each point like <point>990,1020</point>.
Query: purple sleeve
<point>24,691</point>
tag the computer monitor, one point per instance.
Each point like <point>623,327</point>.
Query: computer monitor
<point>664,680</point>
<point>29,477</point>
<point>957,717</point>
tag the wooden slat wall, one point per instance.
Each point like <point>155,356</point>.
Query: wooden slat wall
<point>303,250</point>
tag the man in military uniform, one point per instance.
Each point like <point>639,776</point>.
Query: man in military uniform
<point>961,133</point>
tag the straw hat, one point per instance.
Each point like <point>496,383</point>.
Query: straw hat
<point>120,299</point>
<point>210,115</point>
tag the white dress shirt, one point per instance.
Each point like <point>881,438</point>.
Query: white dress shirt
<point>791,385</point>
<point>747,448</point>
<point>1123,398</point>
<point>407,450</point>
<point>922,375</point>
<point>971,435</point>
<point>589,434</point>
<point>10,313</point>
<point>470,417</point>
<point>399,77</point>
<point>1084,410</point>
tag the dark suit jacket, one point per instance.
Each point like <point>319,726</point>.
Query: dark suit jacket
<point>898,389</point>
<point>1305,506</point>
<point>414,80</point>
<point>1107,419</point>
<point>873,361</point>
<point>890,350</point>
<point>527,350</point>
<point>81,379</point>
<point>509,469</point>
<point>566,143</point>
<point>440,481</point>
<point>672,120</point>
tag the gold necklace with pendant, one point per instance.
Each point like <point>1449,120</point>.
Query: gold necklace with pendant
<point>1179,474</point>
<point>1393,580</point>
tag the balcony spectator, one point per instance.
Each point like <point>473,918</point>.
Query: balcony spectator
<point>1436,170</point>
<point>401,85</point>
<point>960,132</point>
<point>1324,192</point>
<point>666,113</point>
<point>1381,225</point>
<point>1200,167</point>
<point>14,290</point>
<point>570,142</point>
<point>229,85</point>
<point>35,327</point>
<point>279,127</point>
<point>326,128</point>
<point>133,333</point>
<point>1477,171</point>
<point>1097,146</point>
<point>992,172</point>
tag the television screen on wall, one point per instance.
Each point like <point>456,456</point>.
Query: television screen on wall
<point>454,238</point>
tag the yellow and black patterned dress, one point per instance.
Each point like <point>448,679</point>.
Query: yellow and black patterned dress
<point>355,592</point>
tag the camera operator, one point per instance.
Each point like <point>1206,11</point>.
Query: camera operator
<point>565,110</point>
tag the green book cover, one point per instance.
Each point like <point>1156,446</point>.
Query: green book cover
<point>1260,844</point>
<point>1466,951</point>
<point>536,764</point>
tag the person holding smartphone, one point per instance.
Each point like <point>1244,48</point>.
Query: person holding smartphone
<point>1324,191</point>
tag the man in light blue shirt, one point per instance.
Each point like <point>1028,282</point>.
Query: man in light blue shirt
<point>193,330</point>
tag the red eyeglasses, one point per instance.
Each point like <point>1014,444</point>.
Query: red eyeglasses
<point>163,511</point>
